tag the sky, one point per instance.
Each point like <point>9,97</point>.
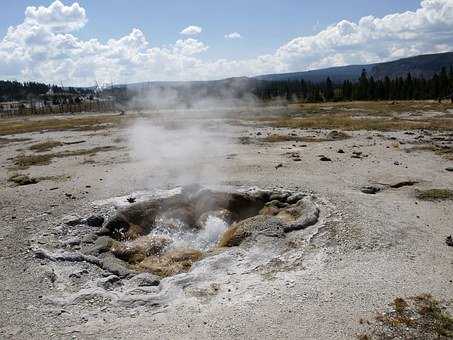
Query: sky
<point>80,43</point>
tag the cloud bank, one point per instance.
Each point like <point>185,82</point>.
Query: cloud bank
<point>45,47</point>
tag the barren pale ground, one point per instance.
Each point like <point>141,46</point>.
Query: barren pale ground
<point>328,281</point>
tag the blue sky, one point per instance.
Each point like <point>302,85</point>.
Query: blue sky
<point>139,40</point>
<point>264,24</point>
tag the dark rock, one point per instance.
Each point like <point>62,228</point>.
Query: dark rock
<point>101,245</point>
<point>95,221</point>
<point>449,241</point>
<point>279,166</point>
<point>370,189</point>
<point>325,159</point>
<point>131,199</point>
<point>337,135</point>
<point>340,151</point>
<point>449,169</point>
<point>294,198</point>
<point>403,184</point>
<point>115,266</point>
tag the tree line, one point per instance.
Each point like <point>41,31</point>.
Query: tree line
<point>17,91</point>
<point>438,87</point>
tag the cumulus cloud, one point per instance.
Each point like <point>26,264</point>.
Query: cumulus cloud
<point>191,30</point>
<point>57,17</point>
<point>233,35</point>
<point>45,47</point>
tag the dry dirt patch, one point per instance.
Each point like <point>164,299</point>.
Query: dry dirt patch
<point>23,161</point>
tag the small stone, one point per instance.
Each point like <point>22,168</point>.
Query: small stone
<point>449,169</point>
<point>73,241</point>
<point>279,166</point>
<point>340,151</point>
<point>95,221</point>
<point>72,220</point>
<point>325,159</point>
<point>145,280</point>
<point>370,190</point>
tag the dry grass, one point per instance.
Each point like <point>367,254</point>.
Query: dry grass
<point>376,107</point>
<point>331,136</point>
<point>446,152</point>
<point>46,145</point>
<point>434,194</point>
<point>6,141</point>
<point>85,123</point>
<point>25,161</point>
<point>171,263</point>
<point>419,317</point>
<point>276,138</point>
<point>24,179</point>
<point>349,122</point>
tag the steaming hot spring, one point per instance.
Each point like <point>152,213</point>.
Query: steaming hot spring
<point>166,235</point>
<point>174,239</point>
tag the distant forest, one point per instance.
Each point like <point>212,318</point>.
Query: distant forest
<point>17,91</point>
<point>440,86</point>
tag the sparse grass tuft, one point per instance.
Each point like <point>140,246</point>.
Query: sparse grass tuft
<point>19,179</point>
<point>171,263</point>
<point>45,146</point>
<point>24,179</point>
<point>419,317</point>
<point>25,161</point>
<point>275,138</point>
<point>434,194</point>
<point>331,136</point>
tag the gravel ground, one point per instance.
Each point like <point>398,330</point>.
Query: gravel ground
<point>365,251</point>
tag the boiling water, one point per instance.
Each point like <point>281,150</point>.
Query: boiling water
<point>185,237</point>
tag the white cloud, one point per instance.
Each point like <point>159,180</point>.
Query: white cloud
<point>234,35</point>
<point>191,30</point>
<point>57,17</point>
<point>45,48</point>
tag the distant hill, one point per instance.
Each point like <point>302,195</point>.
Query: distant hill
<point>336,74</point>
<point>422,65</point>
<point>418,66</point>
